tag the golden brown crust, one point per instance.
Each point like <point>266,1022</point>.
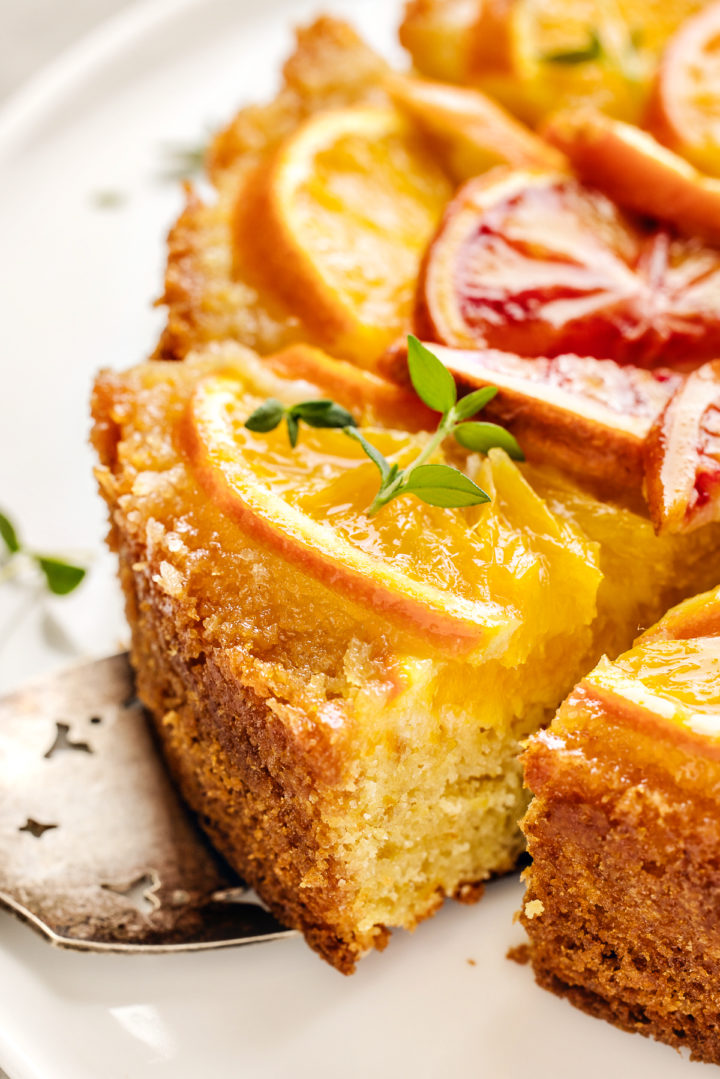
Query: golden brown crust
<point>255,782</point>
<point>628,880</point>
<point>624,886</point>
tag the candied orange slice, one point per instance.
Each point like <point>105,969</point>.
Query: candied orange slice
<point>638,172</point>
<point>541,55</point>
<point>538,55</point>
<point>682,471</point>
<point>337,221</point>
<point>472,131</point>
<point>684,110</point>
<point>543,265</point>
<point>661,686</point>
<point>464,580</point>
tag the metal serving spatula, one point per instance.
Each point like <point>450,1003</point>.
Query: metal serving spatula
<point>97,851</point>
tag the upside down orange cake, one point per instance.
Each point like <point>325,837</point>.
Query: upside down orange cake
<point>360,573</point>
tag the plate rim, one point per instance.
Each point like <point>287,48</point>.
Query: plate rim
<point>80,61</point>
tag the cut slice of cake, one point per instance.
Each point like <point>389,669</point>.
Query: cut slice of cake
<point>624,888</point>
<point>342,699</point>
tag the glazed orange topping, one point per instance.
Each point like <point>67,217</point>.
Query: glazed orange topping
<point>337,223</point>
<point>677,681</point>
<point>466,579</point>
<point>541,265</point>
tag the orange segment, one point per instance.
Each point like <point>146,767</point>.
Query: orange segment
<point>462,579</point>
<point>684,110</point>
<point>638,172</point>
<point>698,616</point>
<point>337,223</point>
<point>473,132</point>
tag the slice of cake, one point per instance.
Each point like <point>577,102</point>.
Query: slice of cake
<point>342,699</point>
<point>624,889</point>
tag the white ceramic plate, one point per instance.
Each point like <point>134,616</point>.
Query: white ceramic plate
<point>76,284</point>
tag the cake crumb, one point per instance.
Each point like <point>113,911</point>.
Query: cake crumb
<point>534,909</point>
<point>471,963</point>
<point>519,954</point>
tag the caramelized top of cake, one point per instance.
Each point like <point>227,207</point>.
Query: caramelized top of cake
<point>532,585</point>
<point>666,688</point>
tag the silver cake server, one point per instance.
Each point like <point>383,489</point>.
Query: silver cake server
<point>97,851</point>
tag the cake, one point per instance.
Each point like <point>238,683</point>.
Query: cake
<point>623,890</point>
<point>342,700</point>
<point>341,694</point>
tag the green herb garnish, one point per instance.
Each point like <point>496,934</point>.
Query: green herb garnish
<point>314,413</point>
<point>434,484</point>
<point>592,51</point>
<point>61,577</point>
<point>108,199</point>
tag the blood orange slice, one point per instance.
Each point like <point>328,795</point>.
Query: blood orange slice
<point>589,418</point>
<point>683,455</point>
<point>539,264</point>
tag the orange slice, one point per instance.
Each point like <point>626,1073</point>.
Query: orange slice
<point>473,132</point>
<point>430,570</point>
<point>540,265</point>
<point>541,55</point>
<point>588,418</point>
<point>536,56</point>
<point>682,468</point>
<point>337,222</point>
<point>684,110</point>
<point>638,172</point>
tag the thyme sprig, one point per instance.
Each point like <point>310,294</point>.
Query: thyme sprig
<point>61,577</point>
<point>435,484</point>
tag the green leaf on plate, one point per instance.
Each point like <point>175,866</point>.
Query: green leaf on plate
<point>323,414</point>
<point>293,429</point>
<point>387,471</point>
<point>9,535</point>
<point>62,577</point>
<point>592,51</point>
